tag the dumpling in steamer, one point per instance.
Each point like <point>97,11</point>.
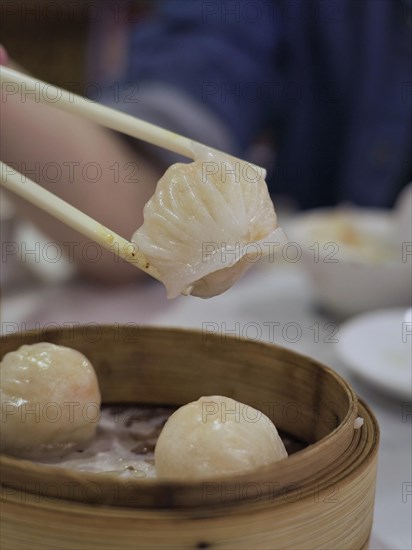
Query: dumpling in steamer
<point>50,400</point>
<point>207,224</point>
<point>216,436</point>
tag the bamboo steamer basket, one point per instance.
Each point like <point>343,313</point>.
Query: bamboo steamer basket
<point>321,497</point>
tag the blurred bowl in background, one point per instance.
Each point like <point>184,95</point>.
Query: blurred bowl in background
<point>355,257</point>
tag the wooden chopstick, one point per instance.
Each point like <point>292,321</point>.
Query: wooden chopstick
<point>68,214</point>
<point>15,82</point>
<point>33,88</point>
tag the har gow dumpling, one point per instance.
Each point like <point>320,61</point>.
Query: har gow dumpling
<point>207,224</point>
<point>50,400</point>
<point>216,436</point>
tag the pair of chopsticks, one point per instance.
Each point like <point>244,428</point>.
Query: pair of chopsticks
<point>13,82</point>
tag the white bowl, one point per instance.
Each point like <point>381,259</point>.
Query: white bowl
<point>355,258</point>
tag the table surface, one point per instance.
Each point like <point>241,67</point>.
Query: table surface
<point>272,303</point>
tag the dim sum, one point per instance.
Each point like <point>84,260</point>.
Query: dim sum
<point>216,436</point>
<point>207,223</point>
<point>50,400</point>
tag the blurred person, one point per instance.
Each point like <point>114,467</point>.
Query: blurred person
<point>328,82</point>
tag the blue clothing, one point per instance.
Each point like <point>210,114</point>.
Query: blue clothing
<point>331,80</point>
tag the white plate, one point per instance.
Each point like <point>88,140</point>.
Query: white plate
<point>378,347</point>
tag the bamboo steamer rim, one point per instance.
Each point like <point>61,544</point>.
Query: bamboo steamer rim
<point>316,520</point>
<point>23,475</point>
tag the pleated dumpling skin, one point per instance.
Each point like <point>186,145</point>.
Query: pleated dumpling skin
<point>216,436</point>
<point>50,400</point>
<point>207,223</point>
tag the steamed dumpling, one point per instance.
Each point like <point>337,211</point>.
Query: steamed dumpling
<point>216,436</point>
<point>50,400</point>
<point>207,223</point>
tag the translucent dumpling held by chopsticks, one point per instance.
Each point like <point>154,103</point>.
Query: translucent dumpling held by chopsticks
<point>204,223</point>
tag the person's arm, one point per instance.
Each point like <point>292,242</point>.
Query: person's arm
<point>88,166</point>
